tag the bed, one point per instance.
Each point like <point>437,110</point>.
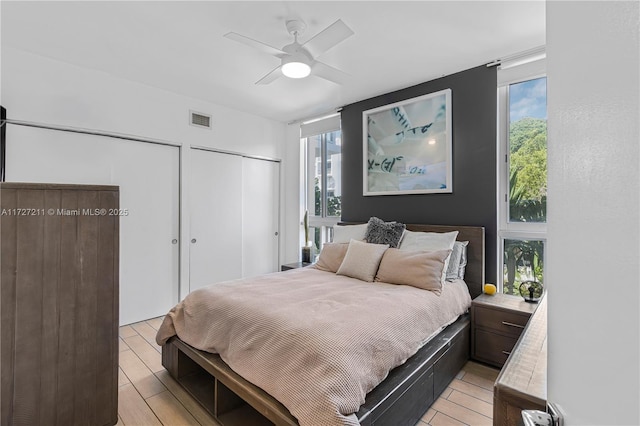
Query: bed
<point>399,398</point>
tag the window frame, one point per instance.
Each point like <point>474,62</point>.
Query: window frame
<point>508,230</point>
<point>323,223</point>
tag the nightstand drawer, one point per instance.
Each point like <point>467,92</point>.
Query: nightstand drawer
<point>493,348</point>
<point>503,321</point>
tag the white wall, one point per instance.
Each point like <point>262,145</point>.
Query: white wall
<point>292,194</point>
<point>42,90</point>
<point>35,88</point>
<point>593,214</point>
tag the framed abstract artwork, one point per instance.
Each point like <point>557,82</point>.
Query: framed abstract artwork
<point>407,146</point>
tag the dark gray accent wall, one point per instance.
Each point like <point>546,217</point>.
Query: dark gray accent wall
<point>473,201</point>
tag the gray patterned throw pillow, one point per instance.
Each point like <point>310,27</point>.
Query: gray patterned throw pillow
<point>381,232</point>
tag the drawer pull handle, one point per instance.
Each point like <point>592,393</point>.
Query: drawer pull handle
<point>510,324</point>
<point>506,353</point>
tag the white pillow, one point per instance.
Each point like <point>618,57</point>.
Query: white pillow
<point>457,261</point>
<point>430,241</point>
<point>346,233</point>
<point>362,260</point>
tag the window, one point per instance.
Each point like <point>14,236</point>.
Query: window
<point>523,186</point>
<point>522,261</point>
<point>322,165</point>
<point>528,151</point>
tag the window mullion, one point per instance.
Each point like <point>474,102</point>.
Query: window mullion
<point>323,189</point>
<point>507,158</point>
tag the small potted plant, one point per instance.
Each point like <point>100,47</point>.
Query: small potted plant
<point>306,249</point>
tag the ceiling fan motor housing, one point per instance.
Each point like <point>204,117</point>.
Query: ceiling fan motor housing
<point>296,27</point>
<point>296,51</point>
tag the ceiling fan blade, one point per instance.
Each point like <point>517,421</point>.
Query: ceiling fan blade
<point>323,70</point>
<point>327,38</point>
<point>255,44</point>
<point>273,74</point>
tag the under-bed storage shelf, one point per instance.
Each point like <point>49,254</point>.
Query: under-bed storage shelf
<point>219,390</point>
<point>405,394</point>
<point>200,386</point>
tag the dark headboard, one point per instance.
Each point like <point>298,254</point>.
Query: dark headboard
<point>474,274</point>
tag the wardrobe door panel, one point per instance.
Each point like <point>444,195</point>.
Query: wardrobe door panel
<point>215,248</point>
<point>260,216</point>
<point>149,179</point>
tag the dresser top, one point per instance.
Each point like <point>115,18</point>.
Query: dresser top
<point>56,186</point>
<point>525,373</point>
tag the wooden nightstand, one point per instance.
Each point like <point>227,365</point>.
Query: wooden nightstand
<point>293,265</point>
<point>496,323</point>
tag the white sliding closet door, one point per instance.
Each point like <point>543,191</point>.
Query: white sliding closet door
<point>215,250</point>
<point>148,176</point>
<point>260,216</point>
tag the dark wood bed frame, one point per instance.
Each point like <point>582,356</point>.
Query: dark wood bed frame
<point>401,399</point>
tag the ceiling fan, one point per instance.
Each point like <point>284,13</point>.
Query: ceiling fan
<point>298,60</point>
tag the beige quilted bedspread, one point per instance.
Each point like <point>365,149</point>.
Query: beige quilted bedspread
<point>316,341</point>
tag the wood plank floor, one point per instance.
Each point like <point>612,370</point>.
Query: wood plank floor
<point>149,396</point>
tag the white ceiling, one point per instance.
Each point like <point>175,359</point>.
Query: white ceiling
<point>179,46</point>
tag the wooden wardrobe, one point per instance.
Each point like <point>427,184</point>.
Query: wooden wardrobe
<point>59,304</point>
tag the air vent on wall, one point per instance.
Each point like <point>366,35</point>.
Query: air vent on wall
<point>199,120</point>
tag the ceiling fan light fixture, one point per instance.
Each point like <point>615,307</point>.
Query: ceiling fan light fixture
<point>296,69</point>
<point>296,64</point>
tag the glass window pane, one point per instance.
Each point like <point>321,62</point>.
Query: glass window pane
<point>523,261</point>
<point>528,151</point>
